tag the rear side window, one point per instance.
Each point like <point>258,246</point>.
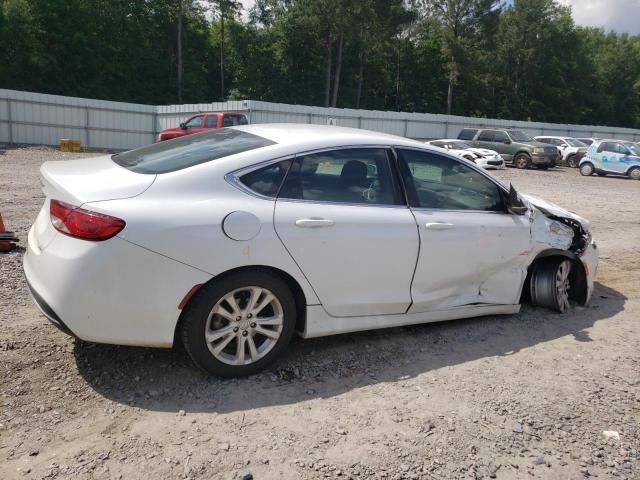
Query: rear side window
<point>486,136</point>
<point>353,176</point>
<point>190,150</point>
<point>467,134</point>
<point>211,121</point>
<point>266,180</point>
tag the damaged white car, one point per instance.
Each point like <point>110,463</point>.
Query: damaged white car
<point>232,240</point>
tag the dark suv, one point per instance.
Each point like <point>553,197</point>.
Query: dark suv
<point>514,146</point>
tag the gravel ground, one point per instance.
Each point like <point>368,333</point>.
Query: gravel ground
<point>525,396</point>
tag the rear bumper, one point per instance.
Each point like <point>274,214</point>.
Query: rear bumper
<point>48,312</point>
<point>108,292</point>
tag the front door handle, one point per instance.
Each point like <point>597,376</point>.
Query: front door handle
<point>314,222</point>
<point>439,226</point>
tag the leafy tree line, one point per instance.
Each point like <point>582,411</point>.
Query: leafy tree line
<point>525,61</point>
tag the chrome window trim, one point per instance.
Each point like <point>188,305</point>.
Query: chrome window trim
<point>233,177</point>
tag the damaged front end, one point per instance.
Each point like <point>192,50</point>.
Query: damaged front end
<point>564,255</point>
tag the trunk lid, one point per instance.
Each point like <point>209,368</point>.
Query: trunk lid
<point>91,180</point>
<point>82,181</point>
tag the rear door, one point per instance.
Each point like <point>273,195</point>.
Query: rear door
<point>341,216</point>
<point>471,247</point>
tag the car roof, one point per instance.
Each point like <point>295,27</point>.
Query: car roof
<point>308,135</point>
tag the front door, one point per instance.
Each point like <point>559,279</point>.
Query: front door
<point>471,247</point>
<point>342,219</point>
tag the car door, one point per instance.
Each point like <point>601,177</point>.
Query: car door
<point>211,121</point>
<point>195,124</point>
<point>607,156</point>
<point>471,248</point>
<point>341,216</point>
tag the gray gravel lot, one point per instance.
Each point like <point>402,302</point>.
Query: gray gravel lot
<point>525,396</point>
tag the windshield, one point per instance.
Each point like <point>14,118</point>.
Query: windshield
<point>635,149</point>
<point>518,136</point>
<point>190,150</point>
<point>575,143</point>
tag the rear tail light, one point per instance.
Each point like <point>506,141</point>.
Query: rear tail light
<point>80,223</point>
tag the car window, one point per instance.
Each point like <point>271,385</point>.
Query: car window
<point>586,141</point>
<point>635,150</point>
<point>356,175</point>
<point>232,120</point>
<point>622,149</point>
<point>266,180</point>
<point>438,182</point>
<point>556,142</point>
<point>486,136</point>
<point>439,144</point>
<point>242,120</point>
<point>211,121</point>
<point>195,122</point>
<point>467,134</point>
<point>518,136</point>
<point>189,150</point>
<point>608,147</point>
<point>460,145</point>
<point>543,139</point>
<point>499,136</point>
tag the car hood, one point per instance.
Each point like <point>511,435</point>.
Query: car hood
<point>173,130</point>
<point>483,151</point>
<point>552,210</point>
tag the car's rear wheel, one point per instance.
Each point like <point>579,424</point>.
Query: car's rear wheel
<point>634,173</point>
<point>586,169</point>
<point>550,284</point>
<point>240,324</point>
<point>572,162</point>
<point>522,160</point>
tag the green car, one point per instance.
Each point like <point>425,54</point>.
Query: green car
<point>514,146</point>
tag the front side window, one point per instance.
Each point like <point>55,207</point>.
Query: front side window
<point>355,176</point>
<point>518,136</point>
<point>438,182</point>
<point>189,150</point>
<point>266,180</point>
<point>195,122</point>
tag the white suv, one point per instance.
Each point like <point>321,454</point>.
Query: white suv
<point>571,149</point>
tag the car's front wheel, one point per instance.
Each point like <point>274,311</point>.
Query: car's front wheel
<point>238,325</point>
<point>550,284</point>
<point>587,169</point>
<point>634,173</point>
<point>522,160</point>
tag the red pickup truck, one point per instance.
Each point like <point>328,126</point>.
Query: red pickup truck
<point>204,121</point>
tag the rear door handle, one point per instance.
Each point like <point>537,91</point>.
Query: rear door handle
<point>314,222</point>
<point>439,226</point>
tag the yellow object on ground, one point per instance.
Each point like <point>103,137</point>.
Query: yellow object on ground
<point>69,145</point>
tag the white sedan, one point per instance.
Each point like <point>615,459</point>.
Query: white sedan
<point>232,240</point>
<point>482,157</point>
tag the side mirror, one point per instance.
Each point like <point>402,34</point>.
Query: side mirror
<point>183,126</point>
<point>515,204</point>
<point>506,142</point>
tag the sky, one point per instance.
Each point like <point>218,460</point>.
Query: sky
<point>622,16</point>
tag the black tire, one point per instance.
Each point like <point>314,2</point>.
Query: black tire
<point>634,173</point>
<point>196,321</point>
<point>544,167</point>
<point>550,283</point>
<point>522,160</point>
<point>571,161</point>
<point>587,169</point>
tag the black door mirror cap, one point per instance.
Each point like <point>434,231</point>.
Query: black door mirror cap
<point>515,204</point>
<point>183,126</point>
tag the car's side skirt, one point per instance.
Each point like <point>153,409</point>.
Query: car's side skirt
<point>320,324</point>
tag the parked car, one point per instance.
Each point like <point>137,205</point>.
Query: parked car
<point>480,156</point>
<point>587,141</point>
<point>613,157</point>
<point>516,147</point>
<point>571,149</point>
<point>232,240</point>
<point>204,121</point>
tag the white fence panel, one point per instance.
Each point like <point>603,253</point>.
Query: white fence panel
<point>35,118</point>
